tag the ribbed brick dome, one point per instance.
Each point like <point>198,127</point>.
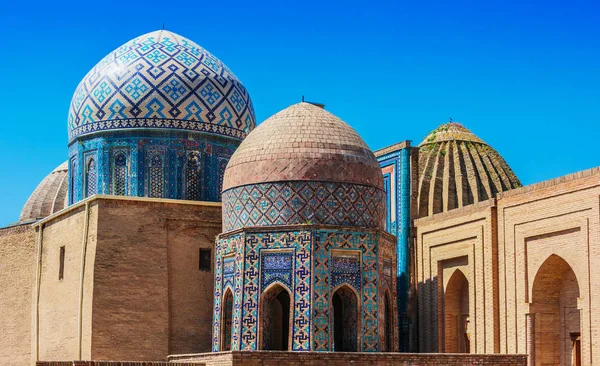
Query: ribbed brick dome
<point>303,142</point>
<point>49,197</point>
<point>457,168</point>
<point>303,165</point>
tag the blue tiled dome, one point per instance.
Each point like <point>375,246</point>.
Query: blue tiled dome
<point>161,81</point>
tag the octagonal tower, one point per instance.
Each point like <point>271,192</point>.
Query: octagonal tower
<point>158,117</point>
<point>304,263</point>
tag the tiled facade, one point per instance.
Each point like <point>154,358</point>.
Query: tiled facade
<point>297,202</point>
<point>158,117</point>
<point>333,219</point>
<point>146,164</point>
<point>311,262</point>
<point>397,166</point>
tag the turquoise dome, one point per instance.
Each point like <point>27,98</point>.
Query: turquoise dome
<point>161,81</point>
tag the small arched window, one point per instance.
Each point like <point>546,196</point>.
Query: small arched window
<point>91,177</point>
<point>73,174</point>
<point>156,184</point>
<point>192,177</point>
<point>119,186</point>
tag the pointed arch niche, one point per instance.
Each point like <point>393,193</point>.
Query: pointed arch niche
<point>275,318</point>
<point>345,319</point>
<point>226,320</point>
<point>556,329</point>
<point>456,314</point>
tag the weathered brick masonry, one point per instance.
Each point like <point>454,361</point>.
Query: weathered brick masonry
<point>532,261</point>
<point>345,358</point>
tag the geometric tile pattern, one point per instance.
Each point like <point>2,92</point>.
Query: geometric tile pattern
<point>192,166</point>
<point>228,271</point>
<point>161,80</point>
<point>298,202</point>
<point>366,243</point>
<point>345,269</point>
<point>228,251</point>
<point>310,264</point>
<point>300,243</point>
<point>276,267</point>
<point>387,282</point>
<point>119,181</point>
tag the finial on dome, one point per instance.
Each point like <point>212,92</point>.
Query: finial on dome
<point>320,105</point>
<point>450,119</point>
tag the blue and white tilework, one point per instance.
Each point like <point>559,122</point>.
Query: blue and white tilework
<point>161,80</point>
<point>151,164</point>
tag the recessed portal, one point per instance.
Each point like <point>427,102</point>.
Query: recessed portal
<point>388,322</point>
<point>557,330</point>
<point>456,314</point>
<point>275,319</point>
<point>345,320</point>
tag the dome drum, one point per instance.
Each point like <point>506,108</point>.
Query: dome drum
<point>149,165</point>
<point>298,203</point>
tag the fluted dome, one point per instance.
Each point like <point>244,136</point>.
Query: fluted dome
<point>49,197</point>
<point>457,168</point>
<point>161,81</point>
<point>303,165</point>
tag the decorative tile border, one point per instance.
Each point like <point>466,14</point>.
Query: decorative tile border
<point>292,203</point>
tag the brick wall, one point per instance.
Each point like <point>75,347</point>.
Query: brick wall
<point>546,237</point>
<point>559,218</point>
<point>17,273</point>
<point>150,297</point>
<point>342,358</point>
<point>114,363</point>
<point>143,294</point>
<point>461,240</point>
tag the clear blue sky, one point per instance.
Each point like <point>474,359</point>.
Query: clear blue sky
<point>524,76</point>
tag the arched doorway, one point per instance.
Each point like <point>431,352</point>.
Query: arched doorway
<point>226,320</point>
<point>456,314</point>
<point>557,328</point>
<point>275,318</point>
<point>345,320</point>
<point>388,321</point>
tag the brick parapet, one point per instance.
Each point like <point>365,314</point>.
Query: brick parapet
<point>15,229</point>
<point>457,213</point>
<point>115,363</point>
<point>392,148</point>
<point>345,358</point>
<point>555,183</point>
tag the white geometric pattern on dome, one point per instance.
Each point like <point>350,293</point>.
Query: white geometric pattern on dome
<point>161,80</point>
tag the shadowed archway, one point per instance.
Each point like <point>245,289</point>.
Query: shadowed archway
<point>226,320</point>
<point>389,319</point>
<point>344,304</point>
<point>275,318</point>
